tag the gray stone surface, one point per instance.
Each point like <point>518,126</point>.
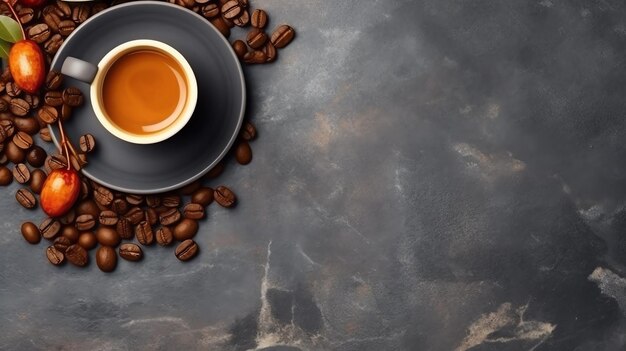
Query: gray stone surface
<point>429,175</point>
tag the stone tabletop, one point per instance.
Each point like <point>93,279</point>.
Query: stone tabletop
<point>429,175</point>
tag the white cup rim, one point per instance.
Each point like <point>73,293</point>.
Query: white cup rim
<point>96,90</point>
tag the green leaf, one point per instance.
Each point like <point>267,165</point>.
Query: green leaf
<point>4,49</point>
<point>10,30</point>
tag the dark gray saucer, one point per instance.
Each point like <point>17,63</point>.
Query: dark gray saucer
<point>210,132</point>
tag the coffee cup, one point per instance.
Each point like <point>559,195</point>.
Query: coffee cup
<point>142,91</point>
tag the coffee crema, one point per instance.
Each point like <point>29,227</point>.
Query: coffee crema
<point>144,92</point>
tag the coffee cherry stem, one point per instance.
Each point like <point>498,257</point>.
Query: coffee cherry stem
<point>64,143</point>
<point>8,2</point>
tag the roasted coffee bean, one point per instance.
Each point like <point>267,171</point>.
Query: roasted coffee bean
<point>161,209</point>
<point>56,161</point>
<point>21,173</point>
<point>193,211</point>
<point>4,105</point>
<point>88,207</point>
<point>106,258</point>
<point>219,23</point>
<point>55,256</point>
<point>66,27</point>
<point>85,222</point>
<point>37,178</point>
<point>64,10</point>
<point>13,90</point>
<point>26,198</point>
<point>153,201</point>
<point>87,240</point>
<point>8,127</point>
<point>25,15</point>
<point>30,232</point>
<point>51,17</point>
<point>224,196</point>
<point>164,236</point>
<point>39,33</point>
<point>210,10</point>
<point>243,19</point>
<point>69,217</point>
<point>87,142</point>
<point>169,217</point>
<point>134,199</point>
<point>77,255</point>
<point>108,218</point>
<point>270,52</point>
<point>171,201</point>
<point>248,131</point>
<point>231,9</point>
<point>49,228</point>
<point>143,233</point>
<point>27,125</point>
<point>119,206</point>
<point>135,215</point>
<point>215,171</point>
<point>108,236</point>
<point>14,153</point>
<point>6,75</point>
<point>186,229</point>
<point>103,196</point>
<point>258,19</point>
<point>80,13</point>
<point>243,153</point>
<point>240,48</point>
<point>53,98</point>
<point>19,107</point>
<point>85,189</point>
<point>203,196</point>
<point>54,79</point>
<point>256,38</point>
<point>73,97</point>
<point>36,157</point>
<point>33,101</point>
<point>23,140</point>
<point>66,112</point>
<point>70,232</point>
<point>48,114</point>
<point>190,188</point>
<point>124,228</point>
<point>131,252</point>
<point>44,134</point>
<point>62,243</point>
<point>52,45</point>
<point>255,56</point>
<point>282,36</point>
<point>151,216</point>
<point>186,250</point>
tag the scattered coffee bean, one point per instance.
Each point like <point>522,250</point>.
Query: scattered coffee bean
<point>151,216</point>
<point>36,157</point>
<point>39,33</point>
<point>48,114</point>
<point>21,173</point>
<point>52,45</point>
<point>64,10</point>
<point>186,250</point>
<point>30,232</point>
<point>106,258</point>
<point>170,217</point>
<point>135,215</point>
<point>231,9</point>
<point>240,48</point>
<point>107,236</point>
<point>134,200</point>
<point>69,217</point>
<point>23,140</point>
<point>144,234</point>
<point>259,19</point>
<point>44,134</point>
<point>19,107</point>
<point>66,27</point>
<point>282,36</point>
<point>62,243</point>
<point>219,23</point>
<point>26,15</point>
<point>203,196</point>
<point>229,22</point>
<point>77,255</point>
<point>224,196</point>
<point>131,252</point>
<point>256,38</point>
<point>37,178</point>
<point>243,19</point>
<point>26,198</point>
<point>108,218</point>
<point>120,206</point>
<point>51,18</point>
<point>66,112</point>
<point>243,153</point>
<point>54,79</point>
<point>124,228</point>
<point>53,98</point>
<point>6,176</point>
<point>70,232</point>
<point>164,236</point>
<point>49,228</point>
<point>8,126</point>
<point>254,56</point>
<point>33,101</point>
<point>171,201</point>
<point>193,211</point>
<point>87,142</point>
<point>248,131</point>
<point>103,196</point>
<point>14,153</point>
<point>88,206</point>
<point>55,256</point>
<point>12,89</point>
<point>186,229</point>
<point>73,97</point>
<point>153,201</point>
<point>210,10</point>
<point>80,13</point>
<point>85,222</point>
<point>270,52</point>
<point>27,125</point>
<point>87,240</point>
<point>56,161</point>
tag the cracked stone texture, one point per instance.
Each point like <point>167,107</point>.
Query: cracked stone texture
<point>429,175</point>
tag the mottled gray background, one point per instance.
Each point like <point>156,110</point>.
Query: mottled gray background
<point>429,175</point>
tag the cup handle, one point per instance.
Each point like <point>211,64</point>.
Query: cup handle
<point>79,69</point>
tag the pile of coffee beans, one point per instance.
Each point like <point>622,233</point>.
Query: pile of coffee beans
<point>113,223</point>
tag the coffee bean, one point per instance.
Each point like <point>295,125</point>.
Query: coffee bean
<point>88,207</point>
<point>73,97</point>
<point>170,217</point>
<point>161,209</point>
<point>151,216</point>
<point>77,255</point>
<point>55,256</point>
<point>186,229</point>
<point>23,140</point>
<point>66,112</point>
<point>27,125</point>
<point>6,75</point>
<point>171,201</point>
<point>135,215</point>
<point>108,218</point>
<point>259,19</point>
<point>25,15</point>
<point>30,232</point>
<point>203,196</point>
<point>26,198</point>
<point>227,21</point>
<point>131,252</point>
<point>49,228</point>
<point>219,23</point>
<point>124,228</point>
<point>8,127</point>
<point>193,211</point>
<point>6,176</point>
<point>80,13</point>
<point>231,9</point>
<point>153,201</point>
<point>19,107</point>
<point>186,250</point>
<point>33,101</point>
<point>52,45</point>
<point>44,134</point>
<point>87,240</point>
<point>103,196</point>
<point>64,9</point>
<point>256,38</point>
<point>108,236</point>
<point>70,232</point>
<point>37,178</point>
<point>224,196</point>
<point>39,33</point>
<point>54,79</point>
<point>66,27</point>
<point>243,19</point>
<point>240,48</point>
<point>134,199</point>
<point>56,161</point>
<point>87,142</point>
<point>4,105</point>
<point>282,36</point>
<point>270,52</point>
<point>143,233</point>
<point>216,171</point>
<point>62,243</point>
<point>210,10</point>
<point>48,114</point>
<point>14,153</point>
<point>106,258</point>
<point>53,98</point>
<point>85,222</point>
<point>190,188</point>
<point>248,131</point>
<point>21,173</point>
<point>36,157</point>
<point>13,90</point>
<point>164,236</point>
<point>255,56</point>
<point>51,17</point>
<point>243,153</point>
